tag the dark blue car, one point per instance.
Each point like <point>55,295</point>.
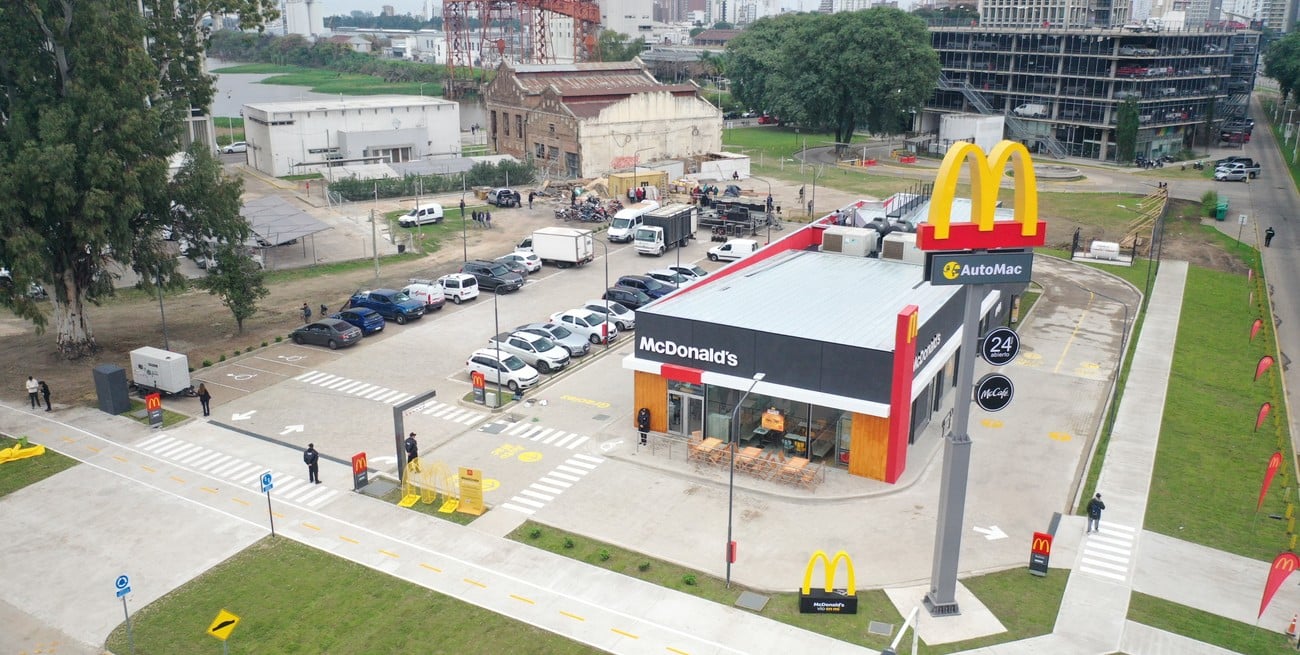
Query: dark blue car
<point>368,320</point>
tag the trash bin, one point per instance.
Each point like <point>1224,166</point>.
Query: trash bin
<point>401,248</point>
<point>1221,211</point>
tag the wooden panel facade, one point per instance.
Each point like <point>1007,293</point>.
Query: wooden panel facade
<point>869,446</point>
<point>651,391</point>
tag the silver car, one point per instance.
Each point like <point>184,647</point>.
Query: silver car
<point>571,341</point>
<point>622,317</point>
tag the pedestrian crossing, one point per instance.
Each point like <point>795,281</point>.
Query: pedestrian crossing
<point>1109,552</point>
<point>381,394</point>
<point>453,413</point>
<point>544,435</point>
<point>235,470</point>
<point>557,481</point>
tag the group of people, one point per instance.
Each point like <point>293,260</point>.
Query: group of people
<point>483,218</point>
<point>311,458</point>
<point>36,390</point>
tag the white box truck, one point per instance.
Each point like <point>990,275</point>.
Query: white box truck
<point>664,228</point>
<point>155,369</point>
<point>627,220</point>
<point>562,246</point>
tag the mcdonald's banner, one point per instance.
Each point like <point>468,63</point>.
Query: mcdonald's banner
<point>1273,462</point>
<point>360,471</point>
<point>1263,414</point>
<point>982,232</point>
<point>1256,327</point>
<point>828,599</point>
<point>1040,552</point>
<point>1264,364</point>
<point>1282,567</point>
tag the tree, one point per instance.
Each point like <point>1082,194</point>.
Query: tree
<point>613,46</point>
<point>238,282</point>
<point>89,119</point>
<point>723,25</point>
<point>835,71</point>
<point>1282,63</point>
<point>1126,130</point>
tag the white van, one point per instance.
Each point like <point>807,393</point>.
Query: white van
<point>733,249</point>
<point>459,287</point>
<point>627,220</point>
<point>428,212</point>
<point>428,292</point>
<point>1031,111</point>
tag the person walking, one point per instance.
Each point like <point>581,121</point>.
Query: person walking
<point>204,398</point>
<point>312,459</point>
<point>45,393</point>
<point>306,314</point>
<point>462,209</point>
<point>1268,236</point>
<point>1094,513</point>
<point>487,220</point>
<point>412,453</point>
<point>531,195</point>
<point>33,387</point>
<point>324,311</point>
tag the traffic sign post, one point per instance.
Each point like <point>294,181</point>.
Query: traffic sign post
<point>123,587</point>
<point>222,626</point>
<point>267,485</point>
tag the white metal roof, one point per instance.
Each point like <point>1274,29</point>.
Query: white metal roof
<point>348,103</point>
<point>812,295</point>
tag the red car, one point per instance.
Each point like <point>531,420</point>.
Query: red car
<point>767,120</point>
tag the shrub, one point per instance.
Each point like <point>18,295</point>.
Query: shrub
<point>535,533</point>
<point>604,554</point>
<point>207,363</point>
<point>1209,202</point>
<point>222,358</point>
<point>643,566</point>
<point>568,542</point>
<point>248,349</point>
<point>263,344</point>
<point>279,339</point>
<point>689,579</point>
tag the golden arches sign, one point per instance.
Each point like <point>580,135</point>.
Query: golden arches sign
<point>986,172</point>
<point>832,564</point>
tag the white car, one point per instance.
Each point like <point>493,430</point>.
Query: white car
<point>623,318</point>
<point>429,212</point>
<point>671,278</point>
<point>459,287</point>
<point>536,351</point>
<point>531,262</point>
<point>690,270</point>
<point>507,369</point>
<point>238,146</point>
<point>587,323</point>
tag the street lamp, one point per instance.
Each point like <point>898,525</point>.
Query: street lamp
<point>421,89</point>
<point>812,202</point>
<point>496,333</point>
<point>767,206</point>
<point>464,236</point>
<point>733,435</point>
<point>605,294</point>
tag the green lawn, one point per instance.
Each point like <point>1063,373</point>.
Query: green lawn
<point>170,418</point>
<point>259,69</point>
<point>431,238</point>
<point>18,474</point>
<point>327,81</point>
<point>294,599</point>
<point>1213,629</point>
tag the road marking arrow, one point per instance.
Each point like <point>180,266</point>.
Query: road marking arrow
<point>992,533</point>
<point>610,445</point>
<point>243,416</point>
<point>290,428</point>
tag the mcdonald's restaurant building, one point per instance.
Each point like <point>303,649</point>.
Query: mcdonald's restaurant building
<point>858,354</point>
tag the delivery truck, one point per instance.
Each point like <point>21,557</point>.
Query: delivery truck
<point>562,246</point>
<point>663,228</point>
<point>155,369</point>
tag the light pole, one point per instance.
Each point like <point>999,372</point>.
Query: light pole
<point>636,161</point>
<point>767,206</point>
<point>812,202</point>
<point>733,436</point>
<point>605,294</point>
<point>421,89</point>
<point>464,236</point>
<point>496,332</point>
<point>162,314</point>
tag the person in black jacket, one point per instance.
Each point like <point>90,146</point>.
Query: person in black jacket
<point>412,453</point>
<point>1094,513</point>
<point>1268,236</point>
<point>311,458</point>
<point>643,423</point>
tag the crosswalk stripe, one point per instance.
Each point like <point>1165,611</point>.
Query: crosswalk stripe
<point>517,428</point>
<point>401,398</point>
<point>254,475</point>
<point>383,397</point>
<point>539,485</point>
<point>1107,548</point>
<point>220,460</point>
<point>1105,565</point>
<point>162,443</point>
<point>474,417</point>
<point>521,510</point>
<point>209,458</point>
<point>284,488</point>
<point>564,477</point>
<point>534,494</point>
<point>312,490</point>
<point>561,483</point>
<point>528,501</point>
<point>170,449</point>
<point>538,436</point>
<point>329,493</point>
<point>566,439</point>
<point>177,453</point>
<point>1104,574</point>
<point>552,437</point>
<point>589,458</point>
<point>570,469</point>
<point>581,440</point>
<point>356,384</point>
<point>303,376</point>
<point>455,415</point>
<point>443,409</point>
<point>227,467</point>
<point>576,462</point>
<point>361,389</point>
<point>376,392</point>
<point>327,379</point>
<point>1104,556</point>
<point>340,383</point>
<point>1117,526</point>
<point>144,445</point>
<point>202,452</point>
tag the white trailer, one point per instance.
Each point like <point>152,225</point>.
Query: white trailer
<point>563,246</point>
<point>155,369</point>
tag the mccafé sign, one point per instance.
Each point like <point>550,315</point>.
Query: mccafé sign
<point>983,232</point>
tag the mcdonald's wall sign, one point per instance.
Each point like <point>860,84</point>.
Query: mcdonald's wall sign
<point>1040,551</point>
<point>986,172</point>
<point>828,599</point>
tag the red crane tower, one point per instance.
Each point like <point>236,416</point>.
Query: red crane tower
<point>517,30</point>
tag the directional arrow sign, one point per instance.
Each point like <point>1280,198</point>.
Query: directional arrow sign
<point>291,428</point>
<point>992,533</point>
<point>243,416</point>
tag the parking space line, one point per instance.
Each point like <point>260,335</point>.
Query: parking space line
<point>259,370</point>
<point>278,362</point>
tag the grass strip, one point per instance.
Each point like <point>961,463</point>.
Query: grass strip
<point>1210,628</point>
<point>23,472</point>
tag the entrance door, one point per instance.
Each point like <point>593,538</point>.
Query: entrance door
<point>685,413</point>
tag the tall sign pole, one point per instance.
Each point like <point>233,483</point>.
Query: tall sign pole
<point>976,255</point>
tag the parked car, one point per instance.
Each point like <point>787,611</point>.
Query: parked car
<point>690,270</point>
<point>428,292</point>
<point>492,276</point>
<point>671,278</point>
<point>1236,171</point>
<point>623,318</point>
<point>531,261</point>
<point>393,305</point>
<point>459,287</point>
<point>575,343</point>
<point>628,297</point>
<point>331,332</point>
<point>238,146</point>
<point>515,266</point>
<point>505,369</point>
<point>1226,175</point>
<point>427,212</point>
<point>650,286</point>
<point>503,197</point>
<point>587,323</point>
<point>1228,160</point>
<point>367,320</point>
<point>536,350</point>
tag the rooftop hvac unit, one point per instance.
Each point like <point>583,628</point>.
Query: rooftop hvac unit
<point>901,246</point>
<point>856,241</point>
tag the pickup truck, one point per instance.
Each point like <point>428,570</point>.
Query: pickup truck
<point>1250,168</point>
<point>391,304</point>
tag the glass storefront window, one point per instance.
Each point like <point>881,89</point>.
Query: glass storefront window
<point>844,433</point>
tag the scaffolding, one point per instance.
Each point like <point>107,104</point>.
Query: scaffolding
<point>484,33</point>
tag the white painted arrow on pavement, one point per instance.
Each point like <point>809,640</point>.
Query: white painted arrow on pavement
<point>243,416</point>
<point>290,428</point>
<point>992,533</point>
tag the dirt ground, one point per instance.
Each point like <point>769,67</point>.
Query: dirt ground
<point>199,326</point>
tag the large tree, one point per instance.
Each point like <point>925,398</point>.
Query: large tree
<point>93,98</point>
<point>1126,130</point>
<point>1282,63</point>
<point>835,71</point>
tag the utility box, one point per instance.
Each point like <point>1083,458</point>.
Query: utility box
<point>1105,250</point>
<point>160,370</point>
<point>111,389</point>
<point>857,241</point>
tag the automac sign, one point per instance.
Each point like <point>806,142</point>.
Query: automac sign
<point>673,349</point>
<point>980,268</point>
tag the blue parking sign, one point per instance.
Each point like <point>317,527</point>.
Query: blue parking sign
<point>267,485</point>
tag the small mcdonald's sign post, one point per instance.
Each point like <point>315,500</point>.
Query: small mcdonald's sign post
<point>828,599</point>
<point>153,405</point>
<point>1040,551</point>
<point>360,471</point>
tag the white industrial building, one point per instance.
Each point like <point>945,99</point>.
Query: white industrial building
<point>303,17</point>
<point>289,138</point>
